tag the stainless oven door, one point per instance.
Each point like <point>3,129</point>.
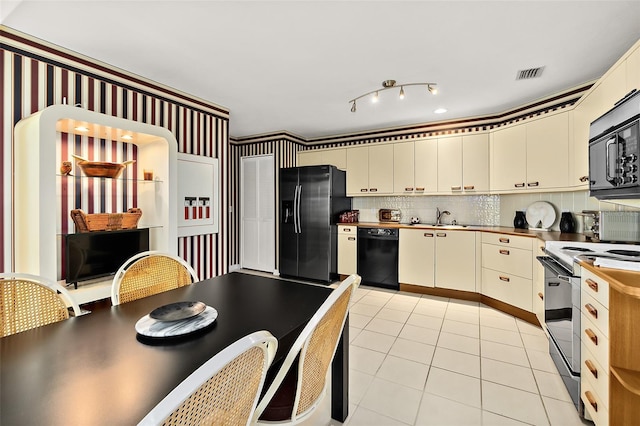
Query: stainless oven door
<point>562,320</point>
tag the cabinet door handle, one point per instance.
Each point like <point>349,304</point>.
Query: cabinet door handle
<point>584,178</point>
<point>456,188</point>
<point>373,189</point>
<point>533,183</point>
<point>351,238</point>
<point>593,311</point>
<point>408,189</point>
<point>591,400</point>
<point>363,189</point>
<point>428,234</point>
<point>505,279</point>
<point>346,229</point>
<point>420,188</point>
<point>592,284</point>
<point>504,240</point>
<point>505,252</point>
<point>441,234</point>
<point>591,335</point>
<point>519,185</point>
<point>468,187</point>
<point>541,296</point>
<point>592,368</point>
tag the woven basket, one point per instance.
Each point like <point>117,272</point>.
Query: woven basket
<point>105,221</point>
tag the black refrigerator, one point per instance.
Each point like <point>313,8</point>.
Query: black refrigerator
<point>310,200</point>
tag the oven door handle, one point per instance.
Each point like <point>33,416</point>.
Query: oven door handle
<point>548,262</point>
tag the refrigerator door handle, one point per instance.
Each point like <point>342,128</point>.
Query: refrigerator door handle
<point>295,210</point>
<point>298,209</point>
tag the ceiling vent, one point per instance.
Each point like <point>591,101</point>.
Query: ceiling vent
<point>530,73</point>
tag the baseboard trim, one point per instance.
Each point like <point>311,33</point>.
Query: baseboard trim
<point>527,316</point>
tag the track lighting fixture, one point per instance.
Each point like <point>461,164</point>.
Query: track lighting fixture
<point>390,84</point>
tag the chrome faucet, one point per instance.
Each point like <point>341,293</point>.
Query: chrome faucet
<point>439,215</point>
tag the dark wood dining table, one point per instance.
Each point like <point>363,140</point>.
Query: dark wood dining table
<point>95,369</point>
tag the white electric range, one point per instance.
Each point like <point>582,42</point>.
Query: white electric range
<point>608,255</point>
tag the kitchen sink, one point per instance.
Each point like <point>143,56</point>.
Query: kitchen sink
<point>442,225</point>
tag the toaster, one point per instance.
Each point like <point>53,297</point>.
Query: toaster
<point>618,226</point>
<point>389,215</point>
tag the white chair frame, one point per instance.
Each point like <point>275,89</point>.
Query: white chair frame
<point>46,282</point>
<point>300,347</point>
<point>117,278</point>
<point>177,396</point>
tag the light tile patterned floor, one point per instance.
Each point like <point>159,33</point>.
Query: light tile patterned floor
<point>424,360</point>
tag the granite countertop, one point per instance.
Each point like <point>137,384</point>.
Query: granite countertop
<point>543,235</point>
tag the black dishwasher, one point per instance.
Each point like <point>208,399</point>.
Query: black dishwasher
<point>378,257</point>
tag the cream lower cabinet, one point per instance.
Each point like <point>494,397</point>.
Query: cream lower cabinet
<point>507,269</point>
<point>455,254</point>
<point>416,257</point>
<point>537,286</point>
<point>594,353</point>
<point>347,250</point>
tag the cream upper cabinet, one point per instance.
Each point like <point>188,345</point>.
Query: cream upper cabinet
<point>455,260</point>
<point>314,157</point>
<point>426,166</point>
<point>450,164</point>
<point>531,156</point>
<point>370,170</point>
<point>335,157</point>
<point>416,256</point>
<point>475,163</point>
<point>633,70</point>
<point>463,164</point>
<point>381,169</point>
<point>358,170</point>
<point>509,158</point>
<point>403,168</point>
<point>548,152</point>
<point>309,158</point>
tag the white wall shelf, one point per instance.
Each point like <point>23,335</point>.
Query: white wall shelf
<point>36,200</point>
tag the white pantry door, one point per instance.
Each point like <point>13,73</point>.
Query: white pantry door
<point>257,207</point>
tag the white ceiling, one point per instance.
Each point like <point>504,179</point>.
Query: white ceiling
<point>294,65</point>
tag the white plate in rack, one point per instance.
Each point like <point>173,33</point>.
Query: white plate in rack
<point>540,212</point>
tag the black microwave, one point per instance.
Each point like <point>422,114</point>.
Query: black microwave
<point>614,151</point>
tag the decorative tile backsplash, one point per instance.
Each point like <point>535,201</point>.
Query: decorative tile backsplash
<point>487,210</point>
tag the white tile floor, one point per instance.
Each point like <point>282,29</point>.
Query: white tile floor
<point>424,360</point>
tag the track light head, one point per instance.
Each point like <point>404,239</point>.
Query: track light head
<point>401,92</point>
<point>353,106</point>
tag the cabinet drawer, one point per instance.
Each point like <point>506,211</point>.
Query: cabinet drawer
<point>594,340</point>
<point>597,314</point>
<point>505,240</point>
<point>511,260</point>
<point>597,375</point>
<point>594,404</point>
<point>507,288</point>
<point>596,287</point>
<point>342,229</point>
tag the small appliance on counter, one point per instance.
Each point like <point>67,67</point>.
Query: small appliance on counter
<point>389,215</point>
<point>414,220</point>
<point>615,226</point>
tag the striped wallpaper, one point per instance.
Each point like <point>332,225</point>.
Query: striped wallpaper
<point>36,75</point>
